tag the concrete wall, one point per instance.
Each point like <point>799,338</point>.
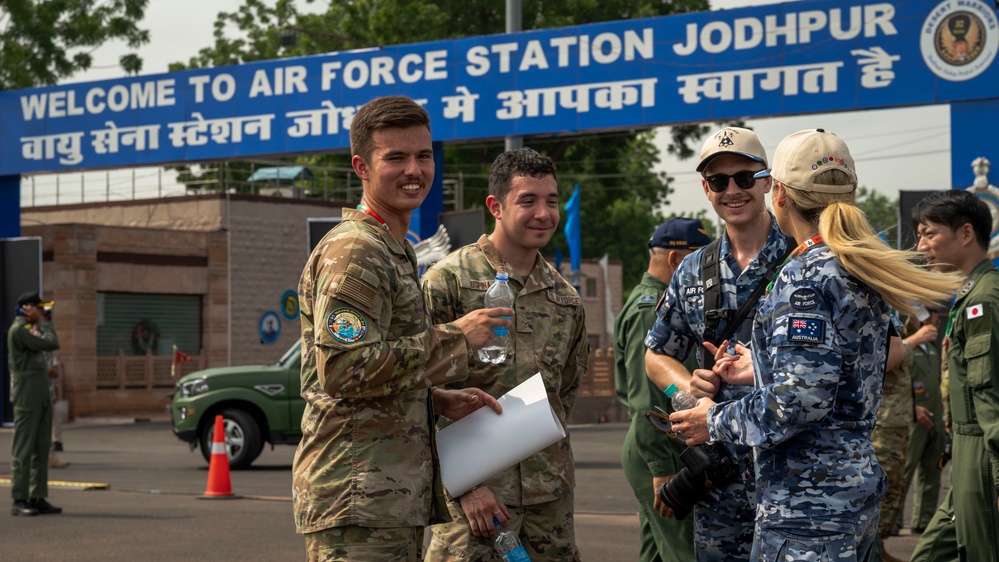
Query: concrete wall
<point>82,260</point>
<point>596,315</point>
<point>268,247</point>
<point>196,212</point>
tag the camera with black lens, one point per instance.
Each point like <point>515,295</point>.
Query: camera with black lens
<point>706,467</point>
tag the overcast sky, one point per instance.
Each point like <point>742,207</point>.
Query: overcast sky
<point>894,149</point>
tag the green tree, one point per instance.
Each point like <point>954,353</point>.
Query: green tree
<point>881,212</point>
<point>614,170</point>
<point>44,41</point>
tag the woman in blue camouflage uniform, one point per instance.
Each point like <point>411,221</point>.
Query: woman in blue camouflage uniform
<point>820,343</point>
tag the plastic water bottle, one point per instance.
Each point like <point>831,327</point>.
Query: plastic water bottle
<point>498,295</point>
<point>508,545</point>
<point>681,399</point>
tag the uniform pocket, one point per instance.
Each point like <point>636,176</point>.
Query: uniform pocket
<point>977,353</point>
<point>560,331</point>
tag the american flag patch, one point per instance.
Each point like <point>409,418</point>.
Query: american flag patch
<point>806,330</point>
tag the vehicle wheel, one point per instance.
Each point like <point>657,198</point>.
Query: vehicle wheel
<point>242,437</point>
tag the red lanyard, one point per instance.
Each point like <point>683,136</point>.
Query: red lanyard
<point>364,209</point>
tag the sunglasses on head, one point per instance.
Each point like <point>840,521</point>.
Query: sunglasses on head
<point>719,182</point>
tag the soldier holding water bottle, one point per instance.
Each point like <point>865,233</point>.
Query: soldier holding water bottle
<point>533,498</point>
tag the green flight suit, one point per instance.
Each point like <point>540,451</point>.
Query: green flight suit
<point>925,445</point>
<point>972,357</point>
<point>646,452</point>
<point>32,400</point>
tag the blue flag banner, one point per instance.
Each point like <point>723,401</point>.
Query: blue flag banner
<point>573,232</point>
<point>779,59</point>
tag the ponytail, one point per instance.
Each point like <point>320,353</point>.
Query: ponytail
<point>892,273</point>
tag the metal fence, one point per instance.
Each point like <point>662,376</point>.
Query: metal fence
<point>326,183</point>
<point>147,371</point>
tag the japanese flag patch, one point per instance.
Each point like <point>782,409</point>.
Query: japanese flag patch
<point>974,311</point>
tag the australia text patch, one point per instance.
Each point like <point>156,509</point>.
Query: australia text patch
<point>346,325</point>
<point>805,330</point>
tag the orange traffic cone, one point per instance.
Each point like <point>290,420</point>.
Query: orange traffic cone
<point>219,486</point>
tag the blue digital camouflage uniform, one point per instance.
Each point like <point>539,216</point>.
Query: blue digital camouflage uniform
<point>369,361</point>
<point>820,341</point>
<point>723,524</point>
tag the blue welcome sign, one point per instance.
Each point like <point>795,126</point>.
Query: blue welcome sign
<point>781,59</point>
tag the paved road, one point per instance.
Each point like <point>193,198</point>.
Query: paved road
<point>151,509</point>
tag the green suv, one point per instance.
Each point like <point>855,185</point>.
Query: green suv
<point>258,403</point>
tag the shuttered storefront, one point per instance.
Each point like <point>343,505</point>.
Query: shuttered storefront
<point>136,333</point>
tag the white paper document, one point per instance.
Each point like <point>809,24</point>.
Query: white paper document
<point>484,443</point>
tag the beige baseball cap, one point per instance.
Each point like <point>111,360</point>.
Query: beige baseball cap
<point>732,140</point>
<point>801,157</point>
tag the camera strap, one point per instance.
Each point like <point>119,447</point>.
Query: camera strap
<point>713,310</point>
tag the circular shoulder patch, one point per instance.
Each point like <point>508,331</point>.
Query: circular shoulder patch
<point>346,325</point>
<point>804,299</point>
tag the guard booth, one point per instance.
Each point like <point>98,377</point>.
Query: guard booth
<point>282,181</point>
<point>21,259</point>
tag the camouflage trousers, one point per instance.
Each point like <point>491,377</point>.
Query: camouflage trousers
<point>546,531</point>
<point>842,543</point>
<point>365,544</point>
<point>724,520</point>
<point>891,446</point>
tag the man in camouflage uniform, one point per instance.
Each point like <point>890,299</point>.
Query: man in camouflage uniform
<point>533,498</point>
<point>891,443</point>
<point>751,243</point>
<point>819,369</point>
<point>926,439</point>
<point>954,229</point>
<point>649,458</point>
<point>29,337</point>
<point>364,470</point>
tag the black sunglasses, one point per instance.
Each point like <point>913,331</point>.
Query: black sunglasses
<point>719,182</point>
<point>660,421</point>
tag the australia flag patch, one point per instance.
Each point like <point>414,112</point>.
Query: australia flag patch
<point>806,330</point>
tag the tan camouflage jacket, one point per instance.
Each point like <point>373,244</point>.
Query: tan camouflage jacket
<point>896,410</point>
<point>550,338</point>
<point>369,360</point>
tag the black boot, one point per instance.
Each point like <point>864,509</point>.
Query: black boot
<point>43,507</point>
<point>22,507</point>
